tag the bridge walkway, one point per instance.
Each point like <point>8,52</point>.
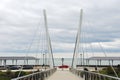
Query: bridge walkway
<point>63,75</point>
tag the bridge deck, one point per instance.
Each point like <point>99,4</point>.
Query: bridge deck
<point>64,75</point>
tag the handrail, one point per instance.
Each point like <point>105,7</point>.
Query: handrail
<point>37,76</point>
<point>88,75</point>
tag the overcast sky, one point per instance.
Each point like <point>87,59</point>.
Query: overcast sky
<point>19,20</point>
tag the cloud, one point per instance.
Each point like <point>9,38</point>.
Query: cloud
<point>19,21</point>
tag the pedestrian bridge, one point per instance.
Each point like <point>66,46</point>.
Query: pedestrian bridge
<point>71,74</point>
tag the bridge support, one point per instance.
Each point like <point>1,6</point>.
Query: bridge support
<point>97,62</point>
<point>100,62</point>
<point>4,63</point>
<point>16,62</point>
<point>12,62</point>
<point>27,61</point>
<point>112,62</point>
<point>0,62</point>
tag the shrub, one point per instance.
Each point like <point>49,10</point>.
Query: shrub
<point>2,74</point>
<point>22,73</point>
<point>8,72</point>
<point>82,74</point>
<point>4,78</point>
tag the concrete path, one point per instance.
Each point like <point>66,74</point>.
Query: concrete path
<point>63,75</point>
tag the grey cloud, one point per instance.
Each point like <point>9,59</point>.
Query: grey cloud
<point>19,19</point>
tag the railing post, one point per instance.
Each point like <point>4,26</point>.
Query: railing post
<point>86,74</point>
<point>99,77</point>
<point>90,76</point>
<point>42,76</point>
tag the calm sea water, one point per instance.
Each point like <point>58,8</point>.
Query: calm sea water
<point>58,62</point>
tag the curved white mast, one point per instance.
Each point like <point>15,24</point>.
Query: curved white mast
<point>48,41</point>
<point>76,49</point>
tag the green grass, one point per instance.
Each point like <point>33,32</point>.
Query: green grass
<point>109,71</point>
<point>4,78</point>
<point>9,75</point>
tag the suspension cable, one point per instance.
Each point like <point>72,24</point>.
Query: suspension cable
<point>38,47</point>
<point>92,49</point>
<point>106,56</point>
<point>28,49</point>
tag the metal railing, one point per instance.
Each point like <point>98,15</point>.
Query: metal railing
<point>37,76</point>
<point>87,75</point>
